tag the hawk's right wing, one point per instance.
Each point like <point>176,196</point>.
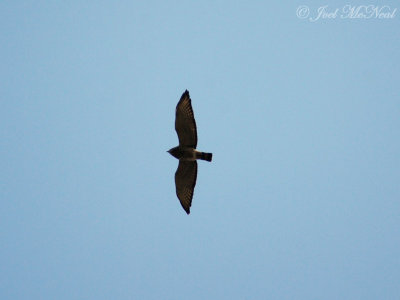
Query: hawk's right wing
<point>185,181</point>
<point>185,125</point>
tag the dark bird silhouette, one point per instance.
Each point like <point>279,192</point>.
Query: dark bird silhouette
<point>186,174</point>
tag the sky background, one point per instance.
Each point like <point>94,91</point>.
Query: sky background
<point>301,200</point>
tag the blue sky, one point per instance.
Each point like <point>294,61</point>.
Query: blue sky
<point>301,200</point>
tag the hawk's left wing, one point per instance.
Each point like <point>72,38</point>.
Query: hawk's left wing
<point>185,181</point>
<point>185,125</point>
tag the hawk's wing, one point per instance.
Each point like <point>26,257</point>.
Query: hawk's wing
<point>185,181</point>
<point>185,125</point>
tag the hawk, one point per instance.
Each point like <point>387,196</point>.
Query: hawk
<point>186,174</point>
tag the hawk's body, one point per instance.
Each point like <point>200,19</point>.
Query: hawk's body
<point>188,153</point>
<point>186,174</point>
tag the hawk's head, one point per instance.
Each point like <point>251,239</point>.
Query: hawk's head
<point>175,152</point>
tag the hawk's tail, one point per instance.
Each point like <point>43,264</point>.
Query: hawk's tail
<point>205,156</point>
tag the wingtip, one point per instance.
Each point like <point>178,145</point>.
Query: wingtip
<point>184,96</point>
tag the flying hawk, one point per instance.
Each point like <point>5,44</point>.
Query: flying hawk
<point>186,174</point>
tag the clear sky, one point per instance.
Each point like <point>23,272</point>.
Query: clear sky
<point>301,200</point>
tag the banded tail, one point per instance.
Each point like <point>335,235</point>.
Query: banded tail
<point>204,156</point>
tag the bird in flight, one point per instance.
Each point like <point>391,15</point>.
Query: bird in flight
<point>186,174</point>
